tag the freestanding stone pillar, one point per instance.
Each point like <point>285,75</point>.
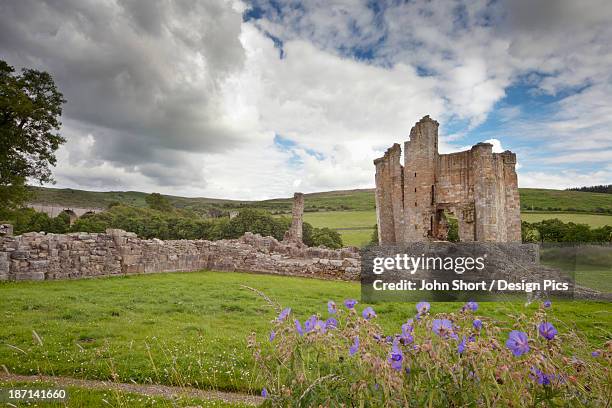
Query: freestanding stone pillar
<point>295,232</point>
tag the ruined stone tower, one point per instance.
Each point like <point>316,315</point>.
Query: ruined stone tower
<point>477,186</point>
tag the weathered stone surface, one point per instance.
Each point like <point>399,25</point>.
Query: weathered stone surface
<point>294,234</point>
<point>6,230</point>
<point>478,186</point>
<point>35,256</point>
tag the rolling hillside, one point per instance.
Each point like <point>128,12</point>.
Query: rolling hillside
<point>356,200</point>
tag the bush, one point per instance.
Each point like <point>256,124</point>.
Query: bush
<point>555,230</point>
<point>451,360</point>
<point>326,237</point>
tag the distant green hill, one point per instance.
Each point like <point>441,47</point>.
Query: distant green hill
<point>531,200</point>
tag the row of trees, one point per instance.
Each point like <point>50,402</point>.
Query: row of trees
<point>170,223</point>
<point>603,188</point>
<point>555,230</point>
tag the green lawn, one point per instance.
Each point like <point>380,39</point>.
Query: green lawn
<point>190,328</point>
<point>357,238</point>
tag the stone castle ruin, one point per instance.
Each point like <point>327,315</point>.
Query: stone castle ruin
<point>476,186</point>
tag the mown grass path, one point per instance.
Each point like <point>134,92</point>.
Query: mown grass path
<point>151,390</point>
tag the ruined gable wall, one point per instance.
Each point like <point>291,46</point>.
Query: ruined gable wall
<point>389,196</point>
<point>36,256</point>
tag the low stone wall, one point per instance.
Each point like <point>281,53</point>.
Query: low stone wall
<point>39,256</point>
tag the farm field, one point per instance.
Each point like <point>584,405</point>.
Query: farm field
<point>359,224</point>
<point>191,328</point>
<point>594,220</point>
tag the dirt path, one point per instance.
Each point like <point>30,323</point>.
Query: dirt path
<point>156,390</point>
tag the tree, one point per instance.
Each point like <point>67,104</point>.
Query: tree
<point>158,202</point>
<point>30,110</point>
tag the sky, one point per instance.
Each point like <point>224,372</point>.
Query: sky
<point>258,99</point>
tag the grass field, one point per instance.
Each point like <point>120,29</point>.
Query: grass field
<point>362,222</point>
<point>191,328</point>
<point>590,219</point>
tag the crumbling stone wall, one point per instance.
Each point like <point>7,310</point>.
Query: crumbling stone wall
<point>38,256</point>
<point>477,186</point>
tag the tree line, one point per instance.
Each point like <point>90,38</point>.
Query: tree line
<point>603,188</point>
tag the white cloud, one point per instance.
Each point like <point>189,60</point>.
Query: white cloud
<point>187,98</point>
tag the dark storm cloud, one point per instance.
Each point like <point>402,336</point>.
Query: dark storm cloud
<point>143,76</point>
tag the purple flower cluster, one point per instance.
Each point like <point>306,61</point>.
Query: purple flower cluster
<point>353,349</point>
<point>540,377</point>
<point>396,357</point>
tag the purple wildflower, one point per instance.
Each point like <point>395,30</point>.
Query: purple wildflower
<point>518,342</point>
<point>368,313</point>
<point>355,346</point>
<point>331,323</point>
<point>477,323</point>
<point>310,323</point>
<point>547,330</point>
<point>422,308</point>
<point>395,357</point>
<point>350,303</point>
<point>406,338</point>
<point>283,315</point>
<point>596,353</point>
<point>298,327</point>
<point>540,377</point>
<point>407,328</point>
<point>272,335</point>
<point>264,393</point>
<point>461,346</point>
<point>331,307</point>
<point>442,327</point>
<point>547,304</point>
<point>319,326</point>
<point>471,305</point>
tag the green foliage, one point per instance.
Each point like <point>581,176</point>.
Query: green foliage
<point>326,237</point>
<point>158,202</point>
<point>555,230</point>
<point>453,230</point>
<point>27,220</point>
<point>374,238</point>
<point>30,109</point>
<point>258,222</point>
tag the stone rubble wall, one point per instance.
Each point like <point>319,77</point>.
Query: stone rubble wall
<point>39,256</point>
